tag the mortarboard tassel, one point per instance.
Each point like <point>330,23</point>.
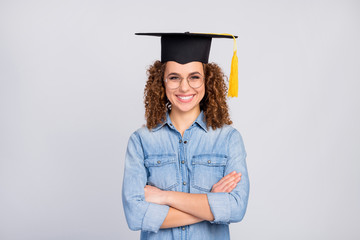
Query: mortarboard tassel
<point>234,78</point>
<point>234,74</point>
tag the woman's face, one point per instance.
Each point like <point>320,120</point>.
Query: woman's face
<point>184,98</point>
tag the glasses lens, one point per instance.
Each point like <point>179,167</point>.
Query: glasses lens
<point>195,80</point>
<point>173,81</point>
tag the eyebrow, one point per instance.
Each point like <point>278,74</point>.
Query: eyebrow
<point>174,73</point>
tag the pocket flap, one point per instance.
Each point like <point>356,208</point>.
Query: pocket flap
<point>211,160</point>
<point>159,160</point>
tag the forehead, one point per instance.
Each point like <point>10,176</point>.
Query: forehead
<point>190,67</point>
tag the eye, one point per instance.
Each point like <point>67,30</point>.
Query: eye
<point>195,77</point>
<point>173,78</point>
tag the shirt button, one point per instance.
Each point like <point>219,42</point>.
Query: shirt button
<point>183,228</point>
<point>180,141</point>
<point>170,124</point>
<point>182,161</point>
<point>158,162</point>
<point>184,183</point>
<point>209,161</point>
<point>185,142</point>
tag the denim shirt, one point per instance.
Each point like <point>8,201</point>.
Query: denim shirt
<point>191,163</point>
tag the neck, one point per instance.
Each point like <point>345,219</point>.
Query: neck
<point>183,120</point>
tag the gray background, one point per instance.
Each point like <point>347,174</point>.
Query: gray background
<point>71,92</point>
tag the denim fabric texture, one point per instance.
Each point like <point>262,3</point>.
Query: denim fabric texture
<point>191,163</point>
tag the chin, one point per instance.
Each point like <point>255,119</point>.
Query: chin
<point>184,108</point>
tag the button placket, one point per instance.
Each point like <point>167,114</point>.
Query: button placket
<point>183,142</point>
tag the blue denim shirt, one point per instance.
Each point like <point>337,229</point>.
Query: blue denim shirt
<point>193,163</point>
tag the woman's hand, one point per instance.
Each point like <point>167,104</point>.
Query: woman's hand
<point>227,183</point>
<point>154,195</point>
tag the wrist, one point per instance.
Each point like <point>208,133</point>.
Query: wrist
<point>167,197</point>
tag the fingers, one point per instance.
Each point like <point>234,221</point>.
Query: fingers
<point>233,177</point>
<point>227,183</point>
<point>148,189</point>
<point>225,180</point>
<point>230,185</point>
<point>227,177</point>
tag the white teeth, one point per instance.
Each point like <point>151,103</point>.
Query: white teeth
<point>185,98</point>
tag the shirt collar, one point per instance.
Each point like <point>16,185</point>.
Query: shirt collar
<point>200,120</point>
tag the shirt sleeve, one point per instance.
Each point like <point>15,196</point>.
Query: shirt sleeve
<point>231,207</point>
<point>140,215</point>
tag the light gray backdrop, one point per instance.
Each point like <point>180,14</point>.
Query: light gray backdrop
<point>71,92</point>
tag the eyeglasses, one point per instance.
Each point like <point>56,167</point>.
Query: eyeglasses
<point>195,80</point>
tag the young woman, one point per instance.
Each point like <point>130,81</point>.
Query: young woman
<point>185,172</point>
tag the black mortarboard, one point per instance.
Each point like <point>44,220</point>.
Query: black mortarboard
<point>186,47</point>
<point>189,47</point>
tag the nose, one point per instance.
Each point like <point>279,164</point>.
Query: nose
<point>184,85</point>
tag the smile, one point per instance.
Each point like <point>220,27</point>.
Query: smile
<point>184,98</point>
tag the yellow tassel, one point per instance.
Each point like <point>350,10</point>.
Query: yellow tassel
<point>234,75</point>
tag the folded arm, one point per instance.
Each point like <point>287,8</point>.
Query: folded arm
<point>177,218</point>
<point>231,207</point>
<point>189,208</point>
<point>149,215</point>
<point>227,202</point>
<point>140,214</point>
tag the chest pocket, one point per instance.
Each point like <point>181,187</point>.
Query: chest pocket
<point>207,170</point>
<point>162,171</point>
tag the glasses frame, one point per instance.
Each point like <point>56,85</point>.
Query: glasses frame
<point>187,79</point>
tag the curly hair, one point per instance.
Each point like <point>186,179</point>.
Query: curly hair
<point>213,103</point>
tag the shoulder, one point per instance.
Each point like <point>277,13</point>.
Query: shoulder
<point>140,133</point>
<point>226,130</point>
<point>227,133</point>
<point>146,134</point>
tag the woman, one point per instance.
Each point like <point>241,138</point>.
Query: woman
<point>185,172</point>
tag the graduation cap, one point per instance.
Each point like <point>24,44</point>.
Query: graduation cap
<point>189,47</point>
